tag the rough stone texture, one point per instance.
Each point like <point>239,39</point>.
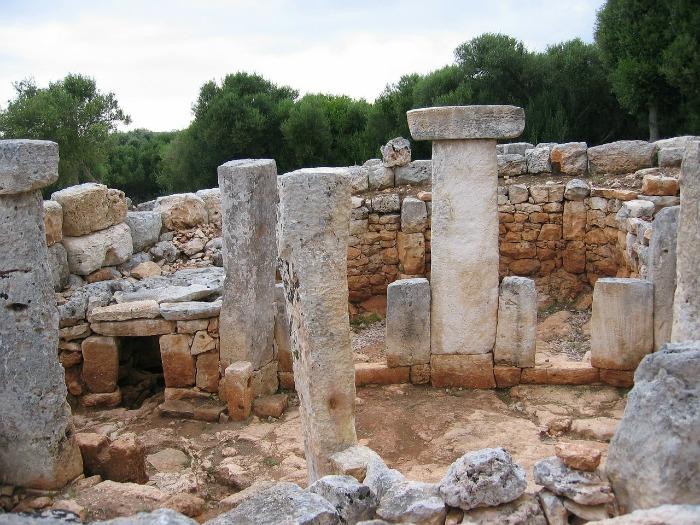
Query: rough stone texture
<point>380,374</point>
<point>661,515</point>
<point>36,445</point>
<point>408,322</point>
<point>623,156</point>
<point>182,211</point>
<point>53,222</point>
<point>537,160</point>
<point>653,456</point>
<point>27,165</point>
<point>58,264</point>
<point>281,503</point>
<point>578,456</point>
<point>622,325</point>
<point>91,252</point>
<point>686,307</point>
<point>147,309</point>
<point>178,363</point>
<point>553,508</point>
<point>282,332</point>
<point>353,501</point>
<point>396,152</point>
<point>414,215</point>
<point>189,310</point>
<point>236,389</point>
<point>270,406</point>
<point>523,511</point>
<point>412,502</point>
<point>510,165</point>
<point>379,176</point>
<point>145,228</point>
<point>386,202</point>
<point>100,363</point>
<point>484,478</point>
<point>586,488</point>
<point>577,190</point>
<point>248,198</point>
<point>570,159</point>
<point>353,461</point>
<point>416,173</point>
<point>90,207</point>
<point>466,122</point>
<point>670,157</point>
<point>516,333</point>
<point>265,380</point>
<point>212,202</point>
<point>468,371</point>
<point>207,376</point>
<point>661,271</point>
<point>659,185</point>
<point>313,231</point>
<point>159,517</point>
<point>134,328</point>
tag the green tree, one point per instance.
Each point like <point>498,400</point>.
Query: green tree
<point>71,112</point>
<point>307,133</point>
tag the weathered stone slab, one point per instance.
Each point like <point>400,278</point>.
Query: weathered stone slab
<point>416,173</point>
<point>212,202</point>
<point>414,215</point>
<point>517,323</point>
<point>661,515</point>
<point>182,211</point>
<point>282,331</point>
<point>237,391</point>
<point>90,207</point>
<point>313,231</point>
<point>412,502</point>
<point>466,122</point>
<point>468,371</point>
<point>145,228</point>
<point>125,311</point>
<point>623,156</point>
<point>408,322</point>
<point>108,247</point>
<point>353,501</point>
<point>653,456</point>
<point>58,264</point>
<point>622,323</point>
<point>134,328</point>
<point>380,374</point>
<point>511,165</point>
<point>586,488</point>
<point>396,152</point>
<point>570,159</point>
<point>537,160</point>
<point>189,310</point>
<point>523,511</point>
<point>248,198</point>
<point>178,363</point>
<point>686,306</point>
<point>53,222</point>
<point>37,449</point>
<point>100,363</point>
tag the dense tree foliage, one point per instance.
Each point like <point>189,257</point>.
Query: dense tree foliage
<point>71,112</point>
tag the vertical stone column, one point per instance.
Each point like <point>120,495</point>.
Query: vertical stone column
<point>408,322</point>
<point>686,305</point>
<point>464,249</point>
<point>37,448</point>
<point>312,235</point>
<point>248,200</point>
<point>517,323</point>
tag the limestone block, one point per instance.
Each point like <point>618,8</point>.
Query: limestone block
<point>577,190</point>
<point>570,159</point>
<point>145,269</point>
<point>677,142</point>
<point>411,252</point>
<point>468,371</point>
<point>37,449</point>
<point>396,152</point>
<point>90,207</point>
<point>653,456</point>
<point>622,329</point>
<point>202,341</point>
<point>537,160</point>
<point>416,173</point>
<point>212,202</point>
<point>58,264</point>
<point>586,488</point>
<point>659,185</point>
<point>270,406</point>
<point>53,222</point>
<point>518,193</point>
<point>381,374</point>
<point>412,502</point>
<point>635,209</point>
<point>313,231</point>
<point>134,328</point>
<point>661,271</point>
<point>414,215</point>
<point>282,333</point>
<point>100,363</point>
<point>188,310</point>
<point>105,400</point>
<point>145,228</point>
<point>265,380</point>
<point>125,311</point>
<point>574,220</point>
<point>182,211</point>
<point>190,327</point>
<point>686,306</point>
<point>517,323</point>
<point>379,177</point>
<point>578,456</point>
<point>178,363</point>
<point>386,202</point>
<point>516,148</point>
<point>466,122</point>
<point>420,374</point>
<point>507,376</point>
<point>359,181</point>
<point>670,157</point>
<point>236,390</point>
<point>661,202</point>
<point>91,252</point>
<point>408,322</point>
<point>207,377</point>
<point>173,294</point>
<point>623,156</point>
<point>511,165</point>
<point>246,322</point>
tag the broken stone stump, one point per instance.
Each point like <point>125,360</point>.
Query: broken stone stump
<point>178,362</point>
<point>248,199</point>
<point>464,246</point>
<point>100,363</point>
<point>517,323</point>
<point>270,406</point>
<point>408,322</point>
<point>686,306</point>
<point>37,447</point>
<point>622,329</point>
<point>236,388</point>
<point>312,235</point>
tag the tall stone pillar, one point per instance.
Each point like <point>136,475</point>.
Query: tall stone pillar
<point>247,319</point>
<point>464,246</point>
<point>312,235</point>
<point>37,448</point>
<point>686,304</point>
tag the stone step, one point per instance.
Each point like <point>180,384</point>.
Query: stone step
<point>198,409</point>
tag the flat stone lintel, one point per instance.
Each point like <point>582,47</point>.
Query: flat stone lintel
<point>466,122</point>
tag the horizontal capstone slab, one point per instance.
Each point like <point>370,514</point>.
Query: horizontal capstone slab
<point>466,122</point>
<point>27,165</point>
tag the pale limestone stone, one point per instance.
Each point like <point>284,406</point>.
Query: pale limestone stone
<point>379,177</point>
<point>517,323</point>
<point>236,389</point>
<point>359,178</point>
<point>145,228</point>
<point>408,322</point>
<point>661,271</point>
<point>510,165</point>
<point>265,380</point>
<point>246,322</point>
<point>623,156</point>
<point>414,215</point>
<point>670,157</point>
<point>396,152</point>
<point>182,211</point>
<point>91,252</point>
<point>416,173</point>
<point>622,327</point>
<point>570,159</point>
<point>100,363</point>
<point>577,190</point>
<point>537,160</point>
<point>37,448</point>
<point>134,328</point>
<point>466,122</point>
<point>686,306</point>
<point>517,193</point>
<point>202,342</point>
<point>212,202</point>
<point>53,222</point>
<point>125,311</point>
<point>312,235</point>
<point>90,207</point>
<point>58,264</point>
<point>187,310</point>
<point>145,269</point>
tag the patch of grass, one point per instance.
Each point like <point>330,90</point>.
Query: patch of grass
<point>269,461</point>
<point>364,320</point>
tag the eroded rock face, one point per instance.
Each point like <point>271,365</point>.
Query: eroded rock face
<point>523,511</point>
<point>90,207</point>
<point>396,152</point>
<point>182,211</point>
<point>353,501</point>
<point>484,478</point>
<point>412,502</point>
<point>586,488</point>
<point>654,455</point>
<point>145,228</point>
<point>108,247</point>
<point>623,156</point>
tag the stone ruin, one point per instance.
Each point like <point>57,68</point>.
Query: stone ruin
<point>461,312</point>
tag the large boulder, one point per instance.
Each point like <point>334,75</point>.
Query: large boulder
<point>91,252</point>
<point>145,228</point>
<point>212,201</point>
<point>653,457</point>
<point>623,156</point>
<point>182,211</point>
<point>416,173</point>
<point>90,207</point>
<point>570,159</point>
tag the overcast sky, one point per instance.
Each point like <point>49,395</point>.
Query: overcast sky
<point>154,55</point>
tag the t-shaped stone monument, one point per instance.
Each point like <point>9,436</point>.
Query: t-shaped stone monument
<point>37,448</point>
<point>464,246</point>
<point>313,227</point>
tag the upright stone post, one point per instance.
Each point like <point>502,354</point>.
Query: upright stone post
<point>247,319</point>
<point>516,336</point>
<point>37,448</point>
<point>686,305</point>
<point>464,246</point>
<point>312,234</point>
